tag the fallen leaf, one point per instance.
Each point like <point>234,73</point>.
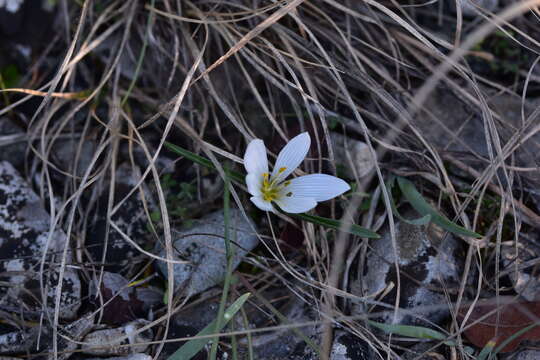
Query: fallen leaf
<point>506,319</point>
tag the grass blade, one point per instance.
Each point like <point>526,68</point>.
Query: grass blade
<point>424,220</point>
<point>234,175</point>
<point>486,351</point>
<point>418,332</point>
<point>229,253</point>
<point>192,347</point>
<point>422,206</point>
<point>336,224</point>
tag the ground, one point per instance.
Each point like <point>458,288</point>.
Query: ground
<point>126,227</point>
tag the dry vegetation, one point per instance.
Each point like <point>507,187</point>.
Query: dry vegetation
<point>212,75</point>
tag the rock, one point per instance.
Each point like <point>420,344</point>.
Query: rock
<point>130,218</point>
<point>204,247</point>
<point>524,278</point>
<point>526,355</point>
<point>347,346</point>
<point>74,157</point>
<point>426,260</point>
<point>12,142</point>
<point>109,341</point>
<point>353,155</point>
<point>18,341</point>
<point>70,337</point>
<point>24,230</point>
<point>123,303</point>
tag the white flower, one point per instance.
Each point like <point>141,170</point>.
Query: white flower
<point>293,196</point>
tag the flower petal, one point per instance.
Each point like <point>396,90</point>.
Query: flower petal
<point>254,183</point>
<point>295,205</point>
<point>291,156</point>
<point>255,160</point>
<point>261,203</point>
<point>320,187</point>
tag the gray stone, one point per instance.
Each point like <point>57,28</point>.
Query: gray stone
<point>203,247</point>
<point>113,341</point>
<point>13,142</point>
<point>521,263</point>
<point>427,260</point>
<point>70,336</point>
<point>24,233</point>
<point>18,341</point>
<point>527,355</point>
<point>353,155</point>
<point>73,156</point>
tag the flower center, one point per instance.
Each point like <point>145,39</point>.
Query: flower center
<point>271,190</point>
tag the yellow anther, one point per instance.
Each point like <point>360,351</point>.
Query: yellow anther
<point>287,183</point>
<point>282,169</point>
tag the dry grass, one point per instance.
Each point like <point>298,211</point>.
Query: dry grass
<point>214,75</point>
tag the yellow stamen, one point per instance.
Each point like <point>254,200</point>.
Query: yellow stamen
<point>271,189</point>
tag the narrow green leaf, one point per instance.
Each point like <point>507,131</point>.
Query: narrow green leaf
<point>418,332</point>
<point>234,175</point>
<point>515,336</point>
<point>192,347</point>
<point>336,224</point>
<point>486,351</point>
<point>422,206</point>
<point>420,221</point>
<point>239,178</point>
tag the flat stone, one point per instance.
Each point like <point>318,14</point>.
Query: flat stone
<point>353,155</point>
<point>109,341</point>
<point>426,260</point>
<point>24,233</point>
<point>203,246</point>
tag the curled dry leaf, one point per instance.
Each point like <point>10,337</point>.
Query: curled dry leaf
<point>506,318</point>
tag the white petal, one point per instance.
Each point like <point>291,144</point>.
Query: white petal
<point>291,156</point>
<point>255,160</point>
<point>295,205</point>
<point>254,183</point>
<point>320,187</point>
<point>261,203</point>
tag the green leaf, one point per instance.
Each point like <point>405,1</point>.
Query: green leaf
<point>239,178</point>
<point>418,332</point>
<point>486,351</point>
<point>420,221</point>
<point>192,347</point>
<point>234,175</point>
<point>422,206</point>
<point>336,224</point>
